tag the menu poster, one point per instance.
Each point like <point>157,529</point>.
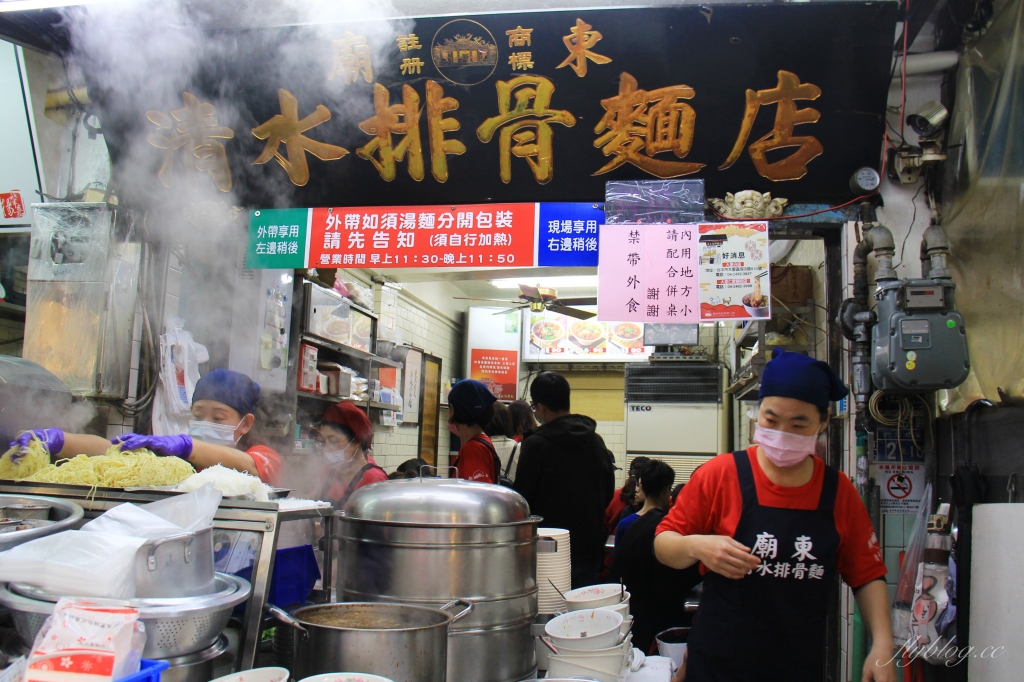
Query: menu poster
<point>496,369</point>
<point>734,279</point>
<point>555,337</point>
<point>648,273</point>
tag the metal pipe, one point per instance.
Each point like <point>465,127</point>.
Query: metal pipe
<point>934,253</point>
<point>929,62</point>
<point>878,240</point>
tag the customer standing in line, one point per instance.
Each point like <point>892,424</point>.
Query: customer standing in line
<point>471,408</point>
<point>499,430</point>
<point>567,475</point>
<point>625,496</point>
<point>657,593</point>
<point>523,421</point>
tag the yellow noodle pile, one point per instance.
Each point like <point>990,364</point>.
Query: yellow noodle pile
<point>117,470</point>
<point>36,459</point>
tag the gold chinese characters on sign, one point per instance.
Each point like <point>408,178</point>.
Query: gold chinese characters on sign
<point>410,66</point>
<point>408,42</point>
<point>526,127</point>
<point>194,129</point>
<point>437,125</point>
<point>642,123</point>
<point>352,58</point>
<point>784,95</point>
<point>521,61</point>
<point>519,36</point>
<point>286,128</point>
<point>579,41</point>
<point>393,119</point>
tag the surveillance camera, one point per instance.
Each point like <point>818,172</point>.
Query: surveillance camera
<point>928,119</point>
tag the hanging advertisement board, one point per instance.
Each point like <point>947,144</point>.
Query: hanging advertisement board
<point>734,279</point>
<point>684,273</point>
<point>552,337</point>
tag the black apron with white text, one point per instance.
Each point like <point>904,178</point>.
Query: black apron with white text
<point>771,624</point>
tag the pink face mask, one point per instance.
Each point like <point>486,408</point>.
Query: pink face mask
<point>453,429</point>
<point>785,449</point>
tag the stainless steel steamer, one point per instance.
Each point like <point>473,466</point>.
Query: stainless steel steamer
<point>430,541</point>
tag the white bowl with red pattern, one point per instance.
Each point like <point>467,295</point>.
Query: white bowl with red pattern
<point>586,629</point>
<point>257,675</point>
<point>346,677</point>
<point>595,596</point>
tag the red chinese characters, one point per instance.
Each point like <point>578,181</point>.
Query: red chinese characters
<point>472,235</point>
<point>13,205</point>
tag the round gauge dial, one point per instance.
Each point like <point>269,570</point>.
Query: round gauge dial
<point>865,180</point>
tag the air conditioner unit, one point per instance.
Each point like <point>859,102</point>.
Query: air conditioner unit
<point>676,413</point>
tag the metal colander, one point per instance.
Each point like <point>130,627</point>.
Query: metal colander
<point>174,627</point>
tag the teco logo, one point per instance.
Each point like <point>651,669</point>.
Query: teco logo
<point>640,408</point>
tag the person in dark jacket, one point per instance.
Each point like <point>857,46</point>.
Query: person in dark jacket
<point>657,592</point>
<point>567,475</point>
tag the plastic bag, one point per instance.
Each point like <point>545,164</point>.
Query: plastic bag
<point>87,641</point>
<point>180,357</point>
<point>191,512</point>
<point>132,520</point>
<point>902,602</point>
<point>160,519</point>
<point>360,293</point>
<point>75,562</point>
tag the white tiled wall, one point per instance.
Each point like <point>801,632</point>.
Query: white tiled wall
<point>437,334</point>
<point>118,424</point>
<point>614,434</point>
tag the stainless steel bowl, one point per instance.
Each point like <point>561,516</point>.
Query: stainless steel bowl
<point>29,511</point>
<point>66,516</point>
<point>175,626</point>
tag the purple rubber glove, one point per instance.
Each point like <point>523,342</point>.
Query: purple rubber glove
<point>53,439</point>
<point>165,446</point>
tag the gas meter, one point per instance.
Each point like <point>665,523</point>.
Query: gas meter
<point>920,343</point>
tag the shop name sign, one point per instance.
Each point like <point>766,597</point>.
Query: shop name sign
<point>545,106</point>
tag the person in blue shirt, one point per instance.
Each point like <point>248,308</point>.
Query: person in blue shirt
<point>654,486</point>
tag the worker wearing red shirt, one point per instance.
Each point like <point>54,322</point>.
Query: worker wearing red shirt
<point>346,439</point>
<point>471,408</point>
<point>774,528</point>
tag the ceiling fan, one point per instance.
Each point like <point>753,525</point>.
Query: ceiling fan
<point>539,299</point>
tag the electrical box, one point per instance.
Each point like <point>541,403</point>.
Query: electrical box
<point>920,343</point>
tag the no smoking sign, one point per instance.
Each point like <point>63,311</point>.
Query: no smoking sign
<point>901,486</point>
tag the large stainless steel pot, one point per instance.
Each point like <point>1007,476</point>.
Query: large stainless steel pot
<point>402,643</point>
<point>64,514</point>
<point>176,566</point>
<point>429,541</point>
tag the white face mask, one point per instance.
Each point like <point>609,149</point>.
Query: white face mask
<point>214,434</point>
<point>335,457</point>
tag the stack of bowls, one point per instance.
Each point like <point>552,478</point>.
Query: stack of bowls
<point>553,567</point>
<point>609,596</point>
<point>590,644</point>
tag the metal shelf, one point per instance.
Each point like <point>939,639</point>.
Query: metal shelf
<point>348,350</point>
<point>336,399</point>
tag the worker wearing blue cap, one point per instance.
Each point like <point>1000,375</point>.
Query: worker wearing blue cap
<point>223,412</point>
<point>774,529</point>
<point>470,410</point>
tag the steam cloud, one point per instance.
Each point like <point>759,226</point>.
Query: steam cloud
<point>141,56</point>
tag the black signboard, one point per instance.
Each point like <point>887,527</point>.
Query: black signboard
<point>544,106</point>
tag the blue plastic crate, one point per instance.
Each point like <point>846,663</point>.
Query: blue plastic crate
<point>295,576</point>
<point>149,671</point>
